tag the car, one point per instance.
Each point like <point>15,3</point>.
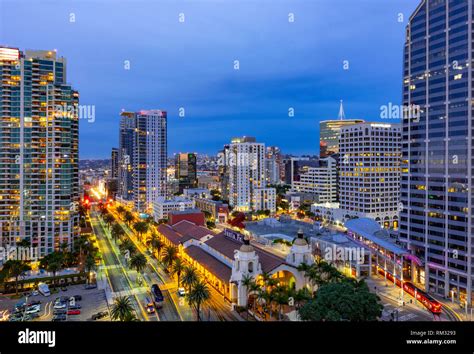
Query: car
<point>77,297</point>
<point>33,309</point>
<point>59,317</point>
<point>150,308</point>
<point>99,315</point>
<point>59,312</point>
<point>74,312</point>
<point>36,302</point>
<point>181,292</point>
<point>90,286</point>
<point>35,293</point>
<point>74,307</point>
<point>60,305</point>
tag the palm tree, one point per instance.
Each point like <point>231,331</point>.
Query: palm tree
<point>127,246</point>
<point>117,231</point>
<point>122,309</point>
<point>140,228</point>
<point>248,281</point>
<point>13,268</point>
<point>109,219</point>
<point>90,265</point>
<point>190,277</point>
<point>128,217</point>
<point>300,296</point>
<point>138,261</point>
<point>53,263</point>
<point>156,244</point>
<point>120,210</point>
<point>170,254</point>
<point>198,294</point>
<point>178,268</point>
<point>281,298</point>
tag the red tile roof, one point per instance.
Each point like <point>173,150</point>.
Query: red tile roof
<point>209,262</point>
<point>227,247</point>
<point>183,231</point>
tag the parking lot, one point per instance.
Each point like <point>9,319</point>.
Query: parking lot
<point>92,302</point>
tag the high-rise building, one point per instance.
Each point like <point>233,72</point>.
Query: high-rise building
<point>369,176</point>
<point>273,164</point>
<point>247,175</point>
<point>143,157</point>
<point>39,178</point>
<point>224,171</point>
<point>437,169</point>
<point>186,170</point>
<point>319,181</point>
<point>125,155</point>
<point>114,163</point>
<point>149,159</point>
<point>329,132</point>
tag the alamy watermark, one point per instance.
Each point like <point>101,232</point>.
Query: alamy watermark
<point>345,254</point>
<point>392,111</point>
<point>18,253</point>
<point>86,112</point>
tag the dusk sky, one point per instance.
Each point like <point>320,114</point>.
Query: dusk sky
<point>190,64</point>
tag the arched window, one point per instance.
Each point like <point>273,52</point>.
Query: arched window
<point>250,267</point>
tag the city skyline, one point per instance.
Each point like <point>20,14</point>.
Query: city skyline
<point>280,68</point>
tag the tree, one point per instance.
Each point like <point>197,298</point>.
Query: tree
<point>248,282</point>
<point>128,217</point>
<point>108,219</point>
<point>13,268</point>
<point>156,244</point>
<point>138,262</point>
<point>122,309</point>
<point>178,268</point>
<point>344,301</point>
<point>90,265</point>
<point>190,277</point>
<point>52,263</point>
<point>140,228</point>
<point>120,210</point>
<point>281,298</point>
<point>198,294</point>
<point>170,254</point>
<point>211,224</point>
<point>128,246</point>
<point>117,232</point>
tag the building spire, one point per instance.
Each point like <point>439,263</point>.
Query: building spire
<point>341,112</point>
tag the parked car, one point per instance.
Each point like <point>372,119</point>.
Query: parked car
<point>36,302</point>
<point>33,309</point>
<point>59,317</point>
<point>99,315</point>
<point>35,293</point>
<point>77,297</point>
<point>181,292</point>
<point>74,312</point>
<point>59,312</point>
<point>90,286</point>
<point>74,307</point>
<point>60,305</point>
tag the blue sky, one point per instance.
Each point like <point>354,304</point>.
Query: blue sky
<point>190,64</point>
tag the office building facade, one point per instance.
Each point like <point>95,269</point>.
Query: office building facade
<point>437,176</point>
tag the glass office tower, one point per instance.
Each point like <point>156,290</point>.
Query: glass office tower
<point>436,190</point>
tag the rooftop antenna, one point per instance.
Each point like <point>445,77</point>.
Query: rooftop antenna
<point>341,112</point>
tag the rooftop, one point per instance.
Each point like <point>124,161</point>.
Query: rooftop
<point>372,231</point>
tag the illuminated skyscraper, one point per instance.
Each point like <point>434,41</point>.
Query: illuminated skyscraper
<point>39,123</point>
<point>437,171</point>
<point>329,132</point>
